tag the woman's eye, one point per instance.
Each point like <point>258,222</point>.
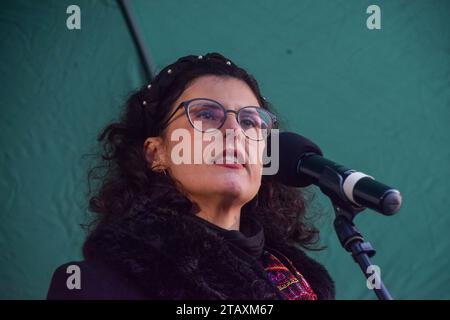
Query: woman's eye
<point>206,115</point>
<point>249,123</point>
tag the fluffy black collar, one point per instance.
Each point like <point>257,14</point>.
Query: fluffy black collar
<point>170,256</point>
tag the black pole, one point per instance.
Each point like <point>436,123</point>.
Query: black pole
<point>349,237</point>
<point>144,56</point>
<point>353,242</point>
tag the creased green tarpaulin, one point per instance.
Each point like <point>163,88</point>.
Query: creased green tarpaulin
<point>374,100</point>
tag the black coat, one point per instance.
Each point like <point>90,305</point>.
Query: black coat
<point>155,253</point>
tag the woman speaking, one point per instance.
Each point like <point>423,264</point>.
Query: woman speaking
<point>210,229</point>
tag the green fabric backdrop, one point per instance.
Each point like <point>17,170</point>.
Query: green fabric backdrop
<point>374,100</point>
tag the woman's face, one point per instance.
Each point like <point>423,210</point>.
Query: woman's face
<point>226,184</point>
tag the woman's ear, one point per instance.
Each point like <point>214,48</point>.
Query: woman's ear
<point>155,153</point>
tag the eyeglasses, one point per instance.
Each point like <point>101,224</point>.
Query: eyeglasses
<point>207,115</point>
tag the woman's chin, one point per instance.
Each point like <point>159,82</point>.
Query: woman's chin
<point>228,186</point>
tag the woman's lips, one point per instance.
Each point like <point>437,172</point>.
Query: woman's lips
<point>229,159</point>
<point>231,165</point>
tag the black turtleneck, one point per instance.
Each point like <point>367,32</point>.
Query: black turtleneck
<point>249,239</point>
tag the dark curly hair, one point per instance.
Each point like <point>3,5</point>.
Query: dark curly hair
<point>123,174</point>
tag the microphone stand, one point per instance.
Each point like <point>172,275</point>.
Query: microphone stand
<point>331,183</point>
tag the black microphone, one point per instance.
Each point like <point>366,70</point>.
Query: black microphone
<point>302,163</point>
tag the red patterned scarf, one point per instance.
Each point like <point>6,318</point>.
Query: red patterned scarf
<point>292,285</point>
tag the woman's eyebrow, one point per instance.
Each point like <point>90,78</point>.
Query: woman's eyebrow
<point>249,111</point>
<point>238,106</point>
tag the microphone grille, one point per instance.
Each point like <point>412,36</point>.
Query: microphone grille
<point>292,147</point>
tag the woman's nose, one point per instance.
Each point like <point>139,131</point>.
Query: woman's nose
<point>231,124</point>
